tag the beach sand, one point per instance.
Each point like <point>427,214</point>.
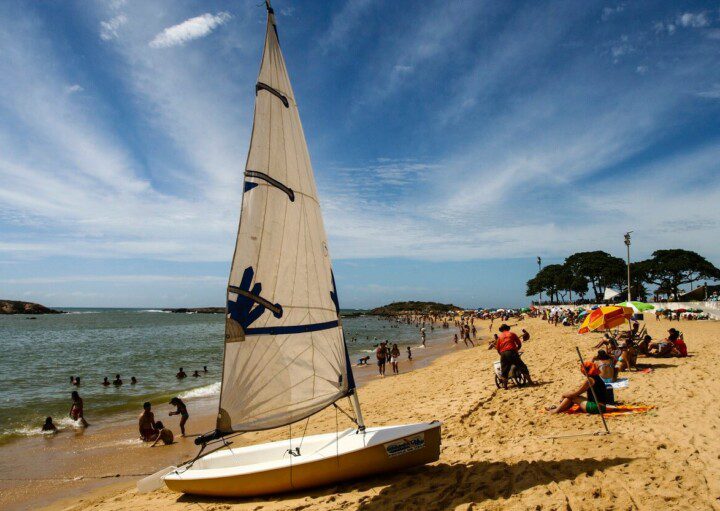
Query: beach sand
<point>500,451</point>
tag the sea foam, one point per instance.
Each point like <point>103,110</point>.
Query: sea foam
<point>205,391</point>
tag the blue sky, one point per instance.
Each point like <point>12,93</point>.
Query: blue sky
<point>453,142</point>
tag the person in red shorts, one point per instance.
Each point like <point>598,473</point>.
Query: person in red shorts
<point>508,346</point>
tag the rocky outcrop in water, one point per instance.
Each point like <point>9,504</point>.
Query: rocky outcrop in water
<point>16,307</point>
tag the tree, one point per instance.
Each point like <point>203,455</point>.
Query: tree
<point>669,269</point>
<point>548,280</point>
<point>599,269</point>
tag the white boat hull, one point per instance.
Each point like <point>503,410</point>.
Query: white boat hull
<point>323,459</point>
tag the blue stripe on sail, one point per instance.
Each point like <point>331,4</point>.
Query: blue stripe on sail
<point>295,329</point>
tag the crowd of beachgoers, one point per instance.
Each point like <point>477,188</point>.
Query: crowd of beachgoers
<point>616,352</point>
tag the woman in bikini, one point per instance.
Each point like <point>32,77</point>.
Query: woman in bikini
<point>594,386</point>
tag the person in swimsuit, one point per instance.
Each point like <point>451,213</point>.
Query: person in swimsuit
<point>363,361</point>
<point>76,409</point>
<point>196,374</point>
<point>604,363</point>
<point>77,381</point>
<point>117,381</point>
<point>146,423</point>
<point>133,380</point>
<point>164,435</point>
<point>466,337</point>
<point>205,369</point>
<point>49,426</point>
<point>106,382</point>
<point>181,410</point>
<point>380,356</point>
<point>394,358</point>
<point>181,374</point>
<point>591,382</point>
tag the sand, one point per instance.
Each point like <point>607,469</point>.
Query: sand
<point>499,450</point>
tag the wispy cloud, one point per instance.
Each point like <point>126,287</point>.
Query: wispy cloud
<point>110,29</point>
<point>72,89</point>
<point>693,20</point>
<point>193,28</point>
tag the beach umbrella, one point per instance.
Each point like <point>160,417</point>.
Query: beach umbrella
<point>680,311</point>
<point>582,313</point>
<point>525,309</point>
<point>606,318</point>
<point>637,306</point>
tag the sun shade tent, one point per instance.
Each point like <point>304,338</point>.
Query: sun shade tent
<point>606,318</point>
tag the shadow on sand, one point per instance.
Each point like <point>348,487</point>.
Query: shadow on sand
<point>444,486</point>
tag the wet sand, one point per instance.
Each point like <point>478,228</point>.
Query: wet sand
<point>500,451</point>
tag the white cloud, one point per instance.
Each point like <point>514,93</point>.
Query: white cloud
<point>344,22</point>
<point>608,12</point>
<point>693,20</point>
<point>713,93</point>
<point>72,89</point>
<point>641,70</point>
<point>193,28</point>
<point>109,29</point>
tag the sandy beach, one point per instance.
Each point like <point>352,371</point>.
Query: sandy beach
<point>500,451</point>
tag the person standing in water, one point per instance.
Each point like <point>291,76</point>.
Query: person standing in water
<point>394,358</point>
<point>409,351</point>
<point>49,426</point>
<point>181,410</point>
<point>181,374</point>
<point>422,334</point>
<point>105,382</point>
<point>146,423</point>
<point>117,381</point>
<point>76,409</point>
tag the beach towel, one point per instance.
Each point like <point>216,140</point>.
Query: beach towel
<point>621,383</point>
<point>646,370</point>
<point>621,410</point>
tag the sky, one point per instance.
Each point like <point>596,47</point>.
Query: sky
<point>453,142</point>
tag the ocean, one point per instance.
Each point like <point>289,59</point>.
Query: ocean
<point>40,355</point>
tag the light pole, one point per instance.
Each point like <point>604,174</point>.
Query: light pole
<point>627,244</point>
<point>539,261</point>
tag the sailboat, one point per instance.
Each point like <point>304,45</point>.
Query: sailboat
<point>285,355</point>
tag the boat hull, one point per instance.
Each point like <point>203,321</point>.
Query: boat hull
<point>387,450</point>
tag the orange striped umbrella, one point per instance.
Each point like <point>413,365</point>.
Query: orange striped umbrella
<point>605,318</point>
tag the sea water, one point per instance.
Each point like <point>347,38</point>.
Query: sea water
<point>39,356</point>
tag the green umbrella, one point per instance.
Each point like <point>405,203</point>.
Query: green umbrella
<point>638,306</point>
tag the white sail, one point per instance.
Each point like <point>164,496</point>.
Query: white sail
<point>285,356</point>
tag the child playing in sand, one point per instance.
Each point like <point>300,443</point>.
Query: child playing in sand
<point>164,435</point>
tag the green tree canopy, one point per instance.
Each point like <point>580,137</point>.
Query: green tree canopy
<point>669,269</point>
<point>599,270</point>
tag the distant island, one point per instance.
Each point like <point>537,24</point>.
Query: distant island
<point>396,308</point>
<point>197,310</point>
<point>16,307</point>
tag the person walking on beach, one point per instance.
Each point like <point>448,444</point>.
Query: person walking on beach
<point>181,410</point>
<point>76,409</point>
<point>146,423</point>
<point>380,355</point>
<point>466,337</point>
<point>394,358</point>
<point>409,352</point>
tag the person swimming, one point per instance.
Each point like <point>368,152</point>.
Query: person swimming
<point>133,380</point>
<point>77,381</point>
<point>196,374</point>
<point>105,382</point>
<point>117,381</point>
<point>49,426</point>
<point>205,369</point>
<point>363,361</point>
<point>181,374</point>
